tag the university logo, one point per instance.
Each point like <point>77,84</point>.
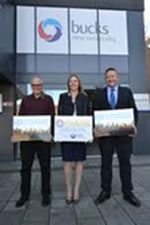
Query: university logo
<point>60,123</point>
<point>47,36</point>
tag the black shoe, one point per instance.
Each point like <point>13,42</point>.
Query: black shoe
<point>76,201</point>
<point>69,201</point>
<point>46,200</point>
<point>132,199</point>
<point>103,196</point>
<point>21,202</point>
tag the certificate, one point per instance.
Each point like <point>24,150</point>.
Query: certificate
<point>31,128</point>
<point>114,122</point>
<point>73,129</point>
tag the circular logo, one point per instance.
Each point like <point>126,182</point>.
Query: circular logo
<point>60,123</point>
<point>72,136</point>
<point>46,36</point>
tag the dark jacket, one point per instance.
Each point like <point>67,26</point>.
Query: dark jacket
<point>125,100</point>
<point>66,107</point>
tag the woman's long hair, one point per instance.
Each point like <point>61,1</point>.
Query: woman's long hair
<point>80,90</point>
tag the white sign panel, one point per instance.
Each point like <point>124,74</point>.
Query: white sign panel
<point>31,128</point>
<point>114,122</point>
<point>52,30</point>
<point>83,31</point>
<point>1,104</point>
<point>113,32</point>
<point>25,29</point>
<point>73,128</point>
<point>142,101</point>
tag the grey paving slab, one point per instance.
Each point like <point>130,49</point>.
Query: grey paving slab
<point>86,208</point>
<point>115,211</point>
<point>144,196</point>
<point>36,182</point>
<point>116,183</point>
<point>58,194</point>
<point>58,203</point>
<point>10,207</point>
<point>34,223</point>
<point>116,186</point>
<point>131,210</point>
<point>34,178</point>
<point>15,187</point>
<point>5,193</point>
<point>58,180</point>
<point>11,218</point>
<point>140,216</point>
<point>62,208</point>
<point>2,205</point>
<point>57,177</point>
<point>147,204</point>
<point>36,212</point>
<point>10,166</point>
<point>56,163</point>
<point>141,177</point>
<point>83,189</point>
<point>64,216</point>
<point>91,221</point>
<point>141,160</point>
<point>143,219</point>
<point>92,181</point>
<point>36,195</point>
<point>11,181</point>
<point>138,188</point>
<point>3,176</point>
<point>113,214</point>
<point>16,194</point>
<point>58,184</point>
<point>93,162</point>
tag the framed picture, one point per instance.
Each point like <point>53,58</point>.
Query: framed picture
<point>31,128</point>
<point>73,128</point>
<point>114,122</point>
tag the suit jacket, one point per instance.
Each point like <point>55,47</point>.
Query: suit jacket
<point>66,107</point>
<point>125,100</point>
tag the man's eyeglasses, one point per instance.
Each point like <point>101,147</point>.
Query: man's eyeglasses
<point>36,85</point>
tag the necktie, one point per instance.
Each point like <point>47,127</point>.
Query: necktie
<point>112,98</point>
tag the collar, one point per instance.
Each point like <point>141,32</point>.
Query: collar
<point>41,96</point>
<point>115,88</point>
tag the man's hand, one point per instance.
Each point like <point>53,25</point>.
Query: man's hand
<point>100,133</point>
<point>135,132</point>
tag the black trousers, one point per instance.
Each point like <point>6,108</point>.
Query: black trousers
<point>123,147</point>
<point>43,151</point>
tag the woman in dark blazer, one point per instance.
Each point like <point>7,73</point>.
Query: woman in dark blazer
<point>74,102</point>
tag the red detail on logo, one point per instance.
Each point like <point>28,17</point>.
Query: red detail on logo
<point>43,34</point>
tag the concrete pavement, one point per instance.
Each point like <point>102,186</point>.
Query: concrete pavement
<point>114,211</point>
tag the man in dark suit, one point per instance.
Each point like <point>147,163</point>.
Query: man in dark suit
<point>114,97</point>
